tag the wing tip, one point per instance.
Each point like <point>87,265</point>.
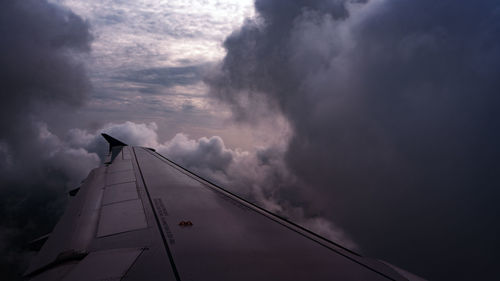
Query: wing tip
<point>112,141</point>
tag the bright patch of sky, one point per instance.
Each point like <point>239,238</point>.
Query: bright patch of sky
<point>159,33</point>
<point>148,59</point>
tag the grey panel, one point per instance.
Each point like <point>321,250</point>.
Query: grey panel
<point>121,217</point>
<point>126,153</point>
<point>120,192</point>
<point>122,165</point>
<point>120,177</point>
<point>104,265</point>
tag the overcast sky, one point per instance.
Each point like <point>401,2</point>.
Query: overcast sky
<point>372,122</point>
<point>148,60</point>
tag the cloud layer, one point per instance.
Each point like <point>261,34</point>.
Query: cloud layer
<point>393,109</point>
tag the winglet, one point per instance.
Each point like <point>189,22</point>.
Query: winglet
<point>112,141</point>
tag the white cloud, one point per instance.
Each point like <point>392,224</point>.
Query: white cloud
<point>73,163</point>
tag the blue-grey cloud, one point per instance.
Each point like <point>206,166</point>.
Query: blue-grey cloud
<point>393,105</point>
<point>157,80</point>
<point>167,76</point>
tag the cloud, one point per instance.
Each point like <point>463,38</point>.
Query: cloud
<point>36,61</point>
<point>40,70</point>
<point>132,35</point>
<point>33,193</point>
<point>38,67</point>
<point>392,105</point>
<point>147,58</point>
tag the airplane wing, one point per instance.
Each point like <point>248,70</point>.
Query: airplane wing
<point>140,216</point>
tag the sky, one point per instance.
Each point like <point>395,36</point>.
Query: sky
<point>371,122</point>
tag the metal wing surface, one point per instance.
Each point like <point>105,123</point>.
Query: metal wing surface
<point>142,217</point>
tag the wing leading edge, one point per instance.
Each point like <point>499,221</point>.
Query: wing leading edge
<point>140,216</point>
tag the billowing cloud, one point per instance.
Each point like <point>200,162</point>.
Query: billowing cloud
<point>393,107</point>
<point>33,192</point>
<point>39,71</point>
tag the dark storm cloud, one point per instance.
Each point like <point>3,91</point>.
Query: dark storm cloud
<point>39,40</point>
<point>37,68</point>
<point>394,108</point>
